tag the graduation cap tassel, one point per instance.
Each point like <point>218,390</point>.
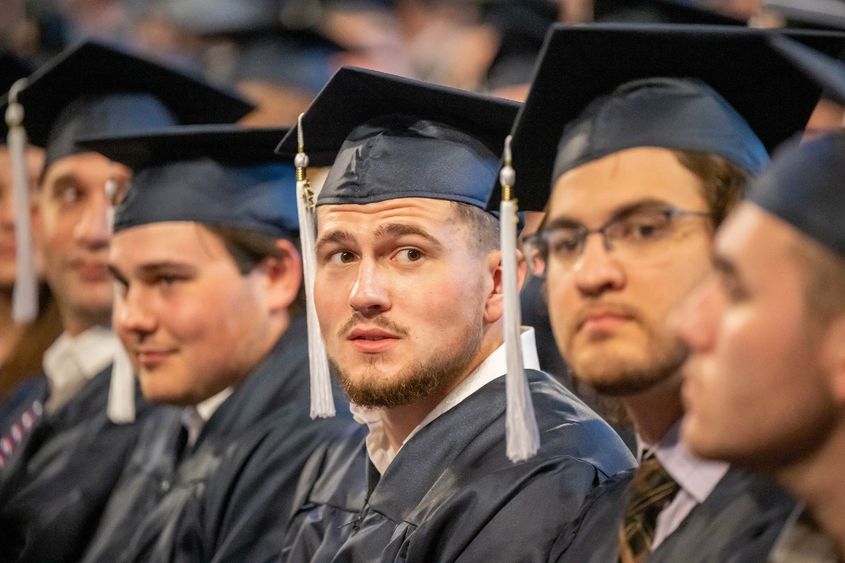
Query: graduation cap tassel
<point>121,404</point>
<point>523,437</point>
<point>25,294</point>
<point>322,403</point>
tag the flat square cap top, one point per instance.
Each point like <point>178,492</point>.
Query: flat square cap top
<point>603,88</point>
<point>390,137</point>
<point>215,174</point>
<point>99,89</point>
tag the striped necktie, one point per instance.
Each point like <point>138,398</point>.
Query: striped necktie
<point>10,442</point>
<point>652,489</point>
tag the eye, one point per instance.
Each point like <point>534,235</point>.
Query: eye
<point>69,194</point>
<point>167,280</point>
<point>342,257</point>
<point>564,242</point>
<point>733,290</point>
<point>642,226</point>
<point>408,255</point>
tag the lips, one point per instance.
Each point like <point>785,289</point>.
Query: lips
<point>91,270</point>
<point>371,340</point>
<point>152,357</point>
<point>602,318</point>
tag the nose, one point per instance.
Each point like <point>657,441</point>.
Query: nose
<point>93,229</point>
<point>132,316</point>
<point>695,321</point>
<point>597,270</point>
<point>369,296</point>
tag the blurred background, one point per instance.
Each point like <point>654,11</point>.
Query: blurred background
<point>280,52</point>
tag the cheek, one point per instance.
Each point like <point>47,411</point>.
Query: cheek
<point>331,298</point>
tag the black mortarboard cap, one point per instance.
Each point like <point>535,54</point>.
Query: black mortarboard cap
<point>12,68</point>
<point>827,72</point>
<point>97,89</point>
<point>803,186</point>
<point>660,11</point>
<point>215,174</point>
<point>697,88</point>
<point>391,137</point>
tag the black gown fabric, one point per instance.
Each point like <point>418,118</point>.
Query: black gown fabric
<point>451,494</point>
<point>229,497</point>
<point>57,483</point>
<point>737,523</point>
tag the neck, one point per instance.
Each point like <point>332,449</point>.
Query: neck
<point>400,421</point>
<point>75,324</point>
<point>10,332</point>
<point>655,410</point>
<point>817,480</point>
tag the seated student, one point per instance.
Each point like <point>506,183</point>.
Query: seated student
<point>22,342</point>
<point>408,292</point>
<point>66,454</point>
<point>640,162</point>
<point>204,255</point>
<point>765,383</point>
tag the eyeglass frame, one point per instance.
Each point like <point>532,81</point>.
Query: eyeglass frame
<point>538,242</point>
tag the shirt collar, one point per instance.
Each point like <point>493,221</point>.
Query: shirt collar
<point>194,417</point>
<point>697,476</point>
<point>493,367</point>
<point>72,360</point>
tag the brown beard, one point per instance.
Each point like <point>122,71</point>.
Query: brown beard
<point>633,380</point>
<point>416,381</point>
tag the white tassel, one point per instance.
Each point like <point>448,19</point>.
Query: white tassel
<point>523,437</point>
<point>322,403</point>
<point>25,294</point>
<point>121,405</point>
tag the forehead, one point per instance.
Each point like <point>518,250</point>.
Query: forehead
<point>433,215</point>
<point>600,187</point>
<point>85,166</point>
<point>176,241</point>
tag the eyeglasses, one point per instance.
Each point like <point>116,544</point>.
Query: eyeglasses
<point>637,234</point>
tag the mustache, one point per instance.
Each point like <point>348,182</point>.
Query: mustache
<point>379,320</point>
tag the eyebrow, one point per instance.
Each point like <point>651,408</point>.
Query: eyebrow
<point>401,230</point>
<point>153,268</point>
<point>383,231</point>
<point>333,237</point>
<point>565,221</point>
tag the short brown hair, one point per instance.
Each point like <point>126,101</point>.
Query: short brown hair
<point>249,248</point>
<point>824,271</point>
<point>724,182</point>
<point>483,227</point>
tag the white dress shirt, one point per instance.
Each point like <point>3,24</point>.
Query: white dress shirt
<point>194,417</point>
<point>71,361</point>
<point>493,367</point>
<point>697,478</point>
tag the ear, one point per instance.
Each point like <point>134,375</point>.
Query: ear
<point>494,308</point>
<point>283,276</point>
<point>833,355</point>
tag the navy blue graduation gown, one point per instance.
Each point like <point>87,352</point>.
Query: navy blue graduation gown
<point>738,523</point>
<point>451,494</point>
<point>58,481</point>
<point>229,497</point>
